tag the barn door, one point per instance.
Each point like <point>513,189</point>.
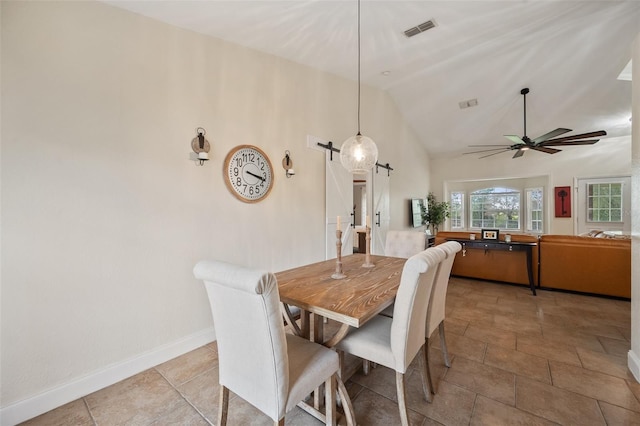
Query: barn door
<point>380,213</point>
<point>339,202</point>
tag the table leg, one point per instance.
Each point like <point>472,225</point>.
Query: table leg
<point>530,270</point>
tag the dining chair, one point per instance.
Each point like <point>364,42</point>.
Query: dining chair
<point>404,243</point>
<point>258,361</point>
<point>436,310</point>
<point>395,342</point>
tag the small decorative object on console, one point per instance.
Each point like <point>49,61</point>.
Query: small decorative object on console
<point>490,234</point>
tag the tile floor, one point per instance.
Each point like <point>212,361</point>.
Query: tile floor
<point>516,359</point>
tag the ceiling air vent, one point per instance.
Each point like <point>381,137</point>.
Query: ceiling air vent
<point>420,28</point>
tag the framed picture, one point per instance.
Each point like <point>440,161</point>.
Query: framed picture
<point>490,234</point>
<point>563,201</point>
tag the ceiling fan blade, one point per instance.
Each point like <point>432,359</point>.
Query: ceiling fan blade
<point>491,145</point>
<point>581,136</point>
<point>545,149</point>
<point>514,139</point>
<point>488,150</point>
<point>499,152</point>
<point>567,143</point>
<point>551,134</point>
<point>519,153</point>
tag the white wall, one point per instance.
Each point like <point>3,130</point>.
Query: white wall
<point>103,213</point>
<point>634,354</point>
<point>609,157</point>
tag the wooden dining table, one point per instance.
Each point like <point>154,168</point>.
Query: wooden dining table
<point>351,301</point>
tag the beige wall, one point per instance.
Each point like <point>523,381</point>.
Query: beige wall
<point>103,213</point>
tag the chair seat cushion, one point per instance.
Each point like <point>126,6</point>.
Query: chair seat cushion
<point>372,342</point>
<point>309,366</point>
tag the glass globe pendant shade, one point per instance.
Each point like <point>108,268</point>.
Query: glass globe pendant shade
<point>358,154</point>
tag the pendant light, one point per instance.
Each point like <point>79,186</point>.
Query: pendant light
<point>359,153</point>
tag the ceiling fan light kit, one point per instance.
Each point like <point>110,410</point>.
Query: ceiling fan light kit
<point>542,143</point>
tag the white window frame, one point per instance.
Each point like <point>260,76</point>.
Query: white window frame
<point>512,191</point>
<point>529,210</point>
<point>462,209</point>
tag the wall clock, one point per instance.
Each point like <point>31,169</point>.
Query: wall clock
<point>248,173</point>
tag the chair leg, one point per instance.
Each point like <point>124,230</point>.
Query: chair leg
<point>427,383</point>
<point>346,403</point>
<point>402,399</point>
<point>223,406</point>
<point>443,343</point>
<point>278,422</point>
<point>365,367</point>
<point>330,400</point>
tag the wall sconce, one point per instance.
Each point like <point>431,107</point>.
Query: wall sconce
<point>201,146</point>
<point>287,164</point>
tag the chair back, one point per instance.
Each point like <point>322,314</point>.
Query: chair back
<point>435,314</point>
<point>410,307</point>
<point>404,243</point>
<point>252,347</point>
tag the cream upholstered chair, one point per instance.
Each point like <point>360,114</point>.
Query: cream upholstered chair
<point>395,342</point>
<point>258,361</point>
<point>436,311</point>
<point>404,243</point>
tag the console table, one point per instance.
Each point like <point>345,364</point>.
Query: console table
<point>502,246</point>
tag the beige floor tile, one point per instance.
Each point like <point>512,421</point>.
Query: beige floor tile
<point>455,326</point>
<point>605,363</point>
<point>517,324</point>
<point>140,399</point>
<point>202,393</point>
<point>184,368</point>
<point>73,413</point>
<point>493,413</point>
<point>536,345</point>
<point>615,346</point>
<point>635,387</point>
<point>571,337</point>
<point>183,415</point>
<point>555,404</point>
<point>381,380</point>
<point>484,379</point>
<point>615,415</point>
<point>472,313</point>
<point>462,346</point>
<point>494,336</point>
<point>593,384</point>
<point>519,363</point>
<point>451,405</point>
<point>373,409</point>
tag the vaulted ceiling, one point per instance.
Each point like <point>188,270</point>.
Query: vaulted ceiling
<point>569,53</point>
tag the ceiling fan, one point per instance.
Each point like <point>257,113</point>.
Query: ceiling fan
<point>542,143</point>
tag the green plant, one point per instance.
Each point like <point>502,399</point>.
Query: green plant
<point>434,213</point>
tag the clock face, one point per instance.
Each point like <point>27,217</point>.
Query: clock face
<point>248,173</point>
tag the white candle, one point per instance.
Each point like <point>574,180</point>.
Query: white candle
<point>368,221</point>
<point>338,226</point>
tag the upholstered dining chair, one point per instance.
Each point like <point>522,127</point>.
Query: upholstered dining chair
<point>436,311</point>
<point>404,243</point>
<point>258,361</point>
<point>395,342</point>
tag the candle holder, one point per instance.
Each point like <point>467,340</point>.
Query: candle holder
<point>338,275</point>
<point>367,257</point>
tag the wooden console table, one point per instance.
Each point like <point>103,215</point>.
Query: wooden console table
<point>502,246</point>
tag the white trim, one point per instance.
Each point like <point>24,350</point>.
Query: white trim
<point>77,388</point>
<point>633,361</point>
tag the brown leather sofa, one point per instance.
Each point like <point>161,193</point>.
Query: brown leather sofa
<point>586,264</point>
<point>576,263</point>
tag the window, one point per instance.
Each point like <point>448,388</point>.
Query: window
<point>604,202</point>
<point>534,209</point>
<point>456,214</point>
<point>495,207</point>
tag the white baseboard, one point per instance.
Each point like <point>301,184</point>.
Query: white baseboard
<point>633,361</point>
<point>46,401</point>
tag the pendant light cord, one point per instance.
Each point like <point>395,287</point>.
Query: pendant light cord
<point>358,67</point>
